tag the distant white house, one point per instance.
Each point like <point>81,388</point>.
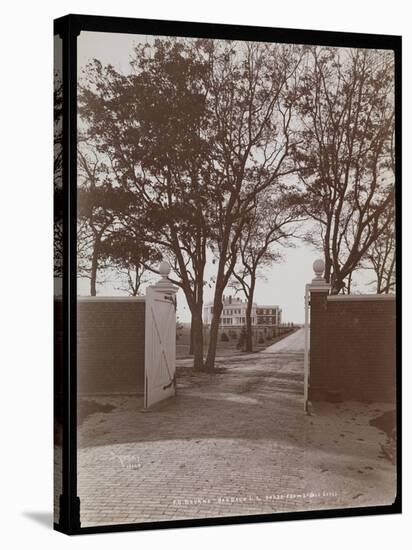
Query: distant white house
<point>265,318</point>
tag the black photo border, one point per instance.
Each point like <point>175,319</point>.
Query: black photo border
<point>68,28</point>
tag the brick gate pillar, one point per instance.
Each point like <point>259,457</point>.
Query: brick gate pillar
<point>318,291</point>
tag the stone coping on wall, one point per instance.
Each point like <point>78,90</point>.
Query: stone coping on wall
<point>111,298</point>
<point>361,297</point>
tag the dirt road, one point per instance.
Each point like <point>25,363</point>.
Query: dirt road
<point>231,443</point>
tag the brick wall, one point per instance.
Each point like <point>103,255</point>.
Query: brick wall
<point>353,347</point>
<point>110,345</point>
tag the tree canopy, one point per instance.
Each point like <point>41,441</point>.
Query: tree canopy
<point>188,145</point>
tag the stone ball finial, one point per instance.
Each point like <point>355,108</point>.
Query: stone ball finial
<point>164,269</point>
<point>319,268</point>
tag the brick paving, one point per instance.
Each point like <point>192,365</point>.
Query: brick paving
<point>232,443</point>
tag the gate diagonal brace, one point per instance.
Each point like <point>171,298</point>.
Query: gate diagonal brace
<point>163,351</point>
<point>171,383</point>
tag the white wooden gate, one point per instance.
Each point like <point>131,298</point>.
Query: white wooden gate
<point>160,340</point>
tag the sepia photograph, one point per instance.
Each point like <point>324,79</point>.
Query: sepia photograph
<point>236,269</point>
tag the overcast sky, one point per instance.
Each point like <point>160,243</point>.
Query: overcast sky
<point>284,283</point>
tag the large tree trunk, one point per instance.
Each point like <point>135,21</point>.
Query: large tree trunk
<point>337,284</point>
<point>94,268</point>
<point>214,331</point>
<point>196,337</point>
<point>328,267</point>
<point>349,285</point>
<point>191,347</point>
<point>379,289</point>
<point>249,333</point>
<point>191,337</point>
